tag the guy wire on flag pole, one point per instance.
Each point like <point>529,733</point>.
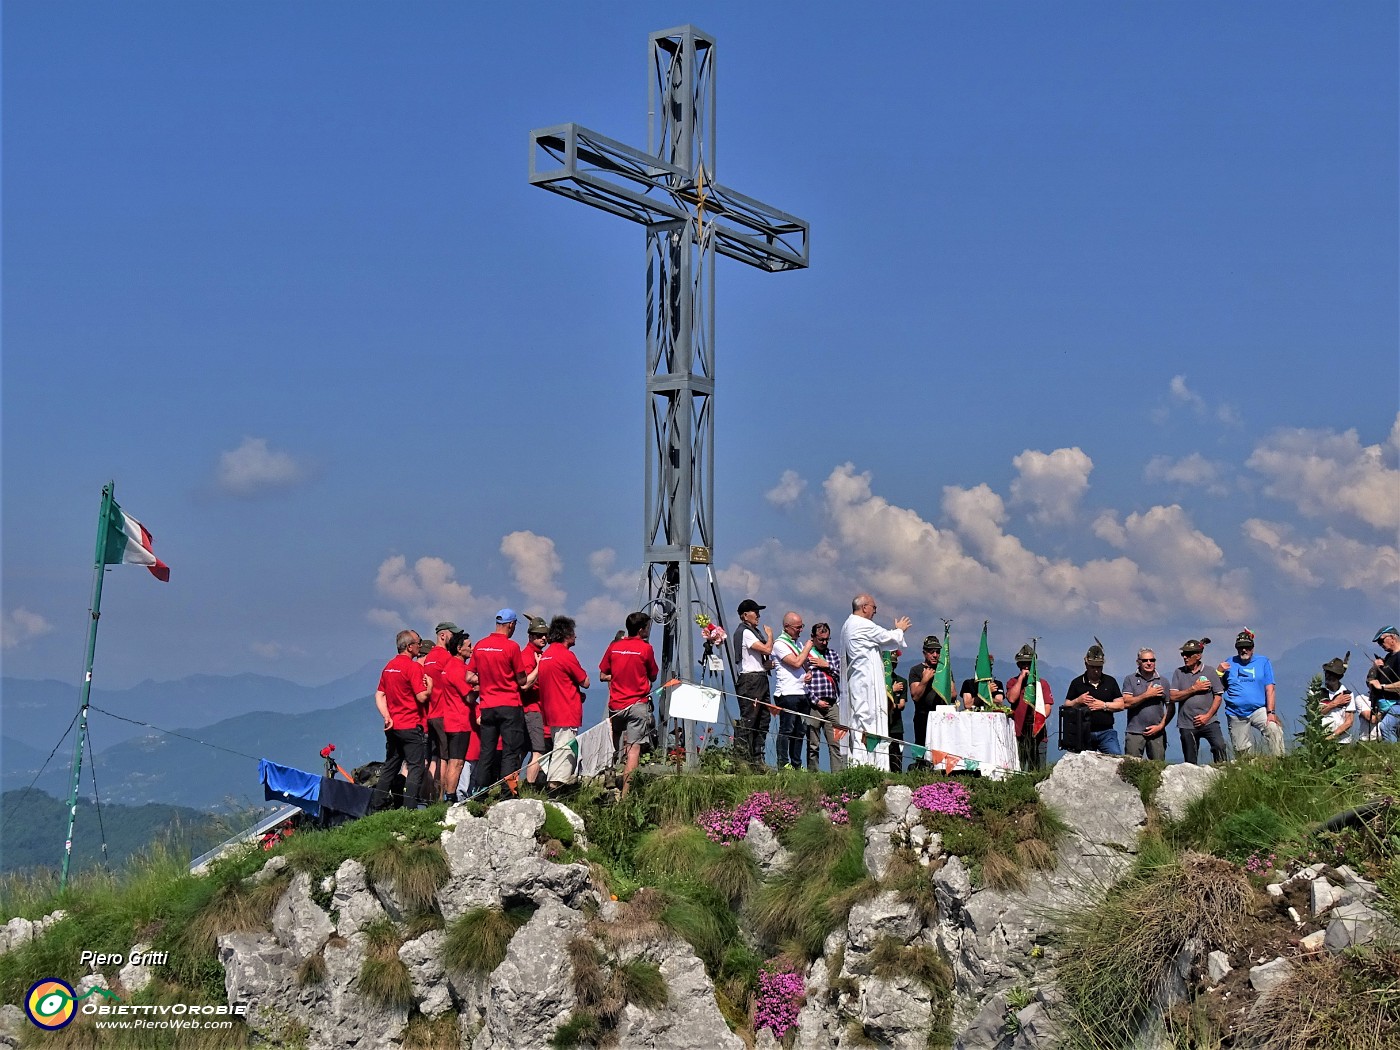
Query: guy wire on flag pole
<point>94,612</point>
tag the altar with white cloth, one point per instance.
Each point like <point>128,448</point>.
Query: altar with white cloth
<point>986,737</point>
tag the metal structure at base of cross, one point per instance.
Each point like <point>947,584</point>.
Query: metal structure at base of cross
<point>689,217</point>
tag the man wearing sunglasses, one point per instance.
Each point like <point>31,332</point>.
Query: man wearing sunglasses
<point>1147,699</point>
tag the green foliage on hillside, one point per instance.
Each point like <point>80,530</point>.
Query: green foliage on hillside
<point>34,825</point>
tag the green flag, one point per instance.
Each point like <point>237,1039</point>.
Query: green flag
<point>1030,696</point>
<point>984,670</point>
<point>943,677</point>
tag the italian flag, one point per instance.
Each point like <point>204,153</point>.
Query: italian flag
<point>127,540</point>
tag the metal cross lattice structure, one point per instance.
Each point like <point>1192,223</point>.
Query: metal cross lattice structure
<point>689,217</point>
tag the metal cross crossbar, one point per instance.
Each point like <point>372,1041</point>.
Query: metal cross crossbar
<point>689,217</point>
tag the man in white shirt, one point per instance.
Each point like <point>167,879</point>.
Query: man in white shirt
<point>789,667</point>
<point>1340,707</point>
<point>755,649</point>
<point>863,701</point>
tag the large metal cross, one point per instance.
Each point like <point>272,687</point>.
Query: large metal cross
<point>671,190</point>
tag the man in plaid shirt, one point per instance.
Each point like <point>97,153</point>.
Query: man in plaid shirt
<point>822,683</point>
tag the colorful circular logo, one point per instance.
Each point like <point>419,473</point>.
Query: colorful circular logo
<point>51,1003</point>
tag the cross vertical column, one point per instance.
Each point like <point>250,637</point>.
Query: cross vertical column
<point>689,218</point>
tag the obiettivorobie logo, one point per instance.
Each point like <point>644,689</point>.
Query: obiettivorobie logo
<point>52,1004</point>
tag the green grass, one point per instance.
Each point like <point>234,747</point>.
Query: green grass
<point>733,872</point>
<point>477,941</point>
<point>892,958</point>
<point>1274,803</point>
<point>556,826</point>
<point>582,1028</point>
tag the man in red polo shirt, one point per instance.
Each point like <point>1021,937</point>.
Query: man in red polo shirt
<point>562,681</point>
<point>435,662</point>
<point>535,731</point>
<point>402,699</point>
<point>498,711</point>
<point>629,668</point>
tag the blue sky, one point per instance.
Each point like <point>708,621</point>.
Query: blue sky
<point>1099,335</point>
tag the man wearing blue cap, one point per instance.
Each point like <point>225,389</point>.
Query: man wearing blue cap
<point>1384,682</point>
<point>499,711</point>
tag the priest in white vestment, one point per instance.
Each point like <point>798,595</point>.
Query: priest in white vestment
<point>864,706</point>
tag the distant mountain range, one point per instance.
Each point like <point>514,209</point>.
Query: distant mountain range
<point>237,719</point>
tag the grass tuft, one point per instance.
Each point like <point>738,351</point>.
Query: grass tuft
<point>414,869</point>
<point>312,970</point>
<point>1350,1001</point>
<point>1143,774</point>
<point>476,942</point>
<point>582,1028</point>
<point>1119,956</point>
<point>733,872</point>
<point>383,976</point>
<point>440,1033</point>
<point>676,851</point>
<point>642,983</point>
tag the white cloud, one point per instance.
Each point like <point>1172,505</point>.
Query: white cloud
<point>20,627</point>
<point>603,564</point>
<point>1053,482</point>
<point>1184,395</point>
<point>1192,472</point>
<point>425,594</point>
<point>253,469</point>
<point>786,492</point>
<point>974,566</point>
<point>275,650</point>
<point>1330,475</point>
<point>534,563</point>
<point>602,612</point>
<point>735,579</point>
<point>1330,560</point>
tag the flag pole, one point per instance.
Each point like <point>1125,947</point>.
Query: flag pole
<point>94,612</point>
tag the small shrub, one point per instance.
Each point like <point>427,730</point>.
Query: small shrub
<point>1350,1001</point>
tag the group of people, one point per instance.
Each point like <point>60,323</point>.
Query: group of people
<point>852,695</point>
<point>506,711</point>
<point>819,690</point>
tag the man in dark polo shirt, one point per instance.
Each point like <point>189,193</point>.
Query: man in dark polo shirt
<point>1092,699</point>
<point>923,693</point>
<point>1197,688</point>
<point>1147,699</point>
<point>1383,681</point>
<point>495,659</point>
<point>402,699</point>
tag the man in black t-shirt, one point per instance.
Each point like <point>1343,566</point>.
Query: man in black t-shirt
<point>972,700</point>
<point>1086,719</point>
<point>1384,681</point>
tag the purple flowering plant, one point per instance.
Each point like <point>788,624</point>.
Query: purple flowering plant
<point>947,797</point>
<point>780,994</point>
<point>834,806</point>
<point>779,812</point>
